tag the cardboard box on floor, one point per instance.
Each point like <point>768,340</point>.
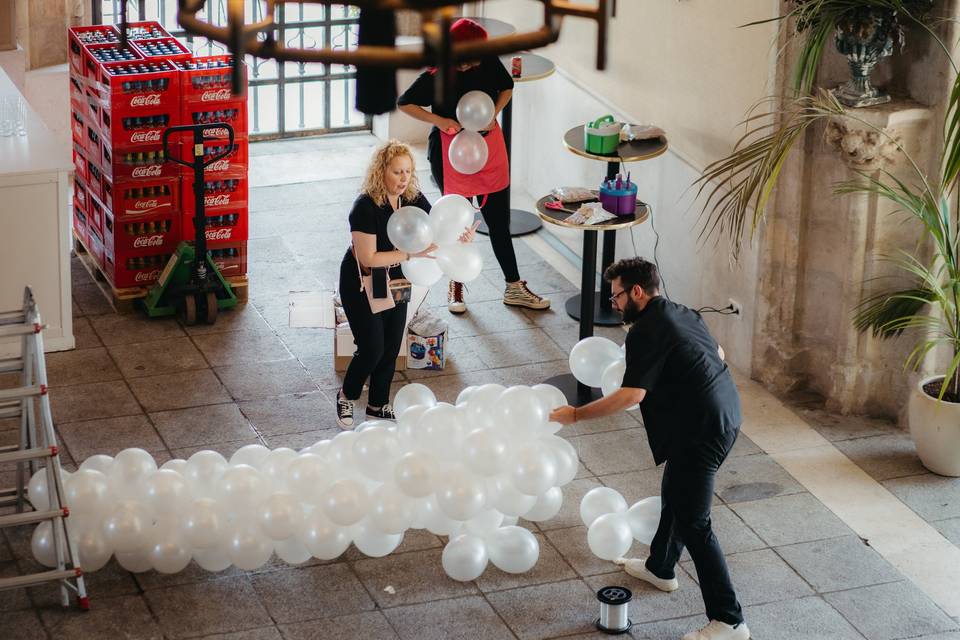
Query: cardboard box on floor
<point>344,345</point>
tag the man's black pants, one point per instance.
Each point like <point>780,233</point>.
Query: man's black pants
<point>687,493</point>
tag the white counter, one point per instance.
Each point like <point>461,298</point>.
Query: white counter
<point>35,226</point>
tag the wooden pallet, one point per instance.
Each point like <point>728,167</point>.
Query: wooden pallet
<point>125,300</point>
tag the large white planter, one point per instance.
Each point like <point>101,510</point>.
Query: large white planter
<point>935,427</point>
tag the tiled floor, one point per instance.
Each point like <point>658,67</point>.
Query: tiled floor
<point>801,572</point>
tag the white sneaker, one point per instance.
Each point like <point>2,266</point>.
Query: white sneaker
<point>637,567</point>
<point>455,303</point>
<point>716,630</point>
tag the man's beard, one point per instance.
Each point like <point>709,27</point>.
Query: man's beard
<point>630,311</point>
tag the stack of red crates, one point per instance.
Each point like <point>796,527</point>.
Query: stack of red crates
<point>131,206</point>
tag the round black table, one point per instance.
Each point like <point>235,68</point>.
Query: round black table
<point>633,151</point>
<point>579,394</point>
<point>495,28</point>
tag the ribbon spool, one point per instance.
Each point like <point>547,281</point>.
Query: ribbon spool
<point>614,610</point>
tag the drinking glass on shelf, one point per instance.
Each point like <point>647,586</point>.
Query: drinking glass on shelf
<point>20,119</point>
<point>6,116</point>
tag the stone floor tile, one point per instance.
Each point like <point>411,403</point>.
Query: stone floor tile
<point>838,563</point>
<point>468,618</point>
<point>252,381</point>
<point>480,290</point>
<point>121,617</point>
<point>884,456</point>
<point>179,390</point>
<point>635,485</point>
<point>297,441</point>
<point>91,300</point>
<point>835,427</point>
<point>109,436</point>
<point>798,619</point>
<point>202,425</point>
<point>217,606</point>
<point>542,278</point>
<point>513,348</point>
<point>157,356</point>
<point>572,545</point>
<point>84,334</point>
<point>950,529</point>
<point>550,567</point>
<point>649,603</point>
<point>931,496</point>
<point>13,599</point>
<point>361,626</point>
<point>744,446</point>
<point>569,515</point>
<point>567,335</point>
<point>295,595</point>
<point>263,633</point>
<point>294,413</point>
<point>150,580</point>
<point>244,317</point>
<point>791,518</point>
<point>226,449</point>
<point>548,610</point>
<point>416,577</point>
<point>949,635</point>
<point>614,451</point>
<point>107,582</point>
<point>93,400</point>
<point>241,347</point>
<point>80,366</point>
<point>23,625</point>
<point>307,342</point>
<point>616,422</point>
<point>753,478</point>
<point>129,328</point>
<point>675,628</point>
<point>889,611</point>
<point>484,318</point>
<point>761,576</point>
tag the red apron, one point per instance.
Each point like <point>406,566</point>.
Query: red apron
<point>495,175</point>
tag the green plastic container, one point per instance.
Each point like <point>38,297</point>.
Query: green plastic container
<point>602,135</point>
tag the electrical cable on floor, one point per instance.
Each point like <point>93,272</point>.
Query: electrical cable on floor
<point>726,311</point>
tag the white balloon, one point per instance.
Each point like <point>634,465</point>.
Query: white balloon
<point>390,510</point>
<point>590,357</point>
<point>511,502</point>
<point>410,395</point>
<point>547,506</point>
<point>163,492</point>
<point>513,549</point>
<point>550,396</point>
<point>533,470</point>
<point>609,536</point>
<point>241,488</point>
<point>37,490</point>
<point>168,551</point>
<point>274,467</point>
<point>92,547</point>
<point>248,547</point>
<point>376,451</point>
<point>465,558</point>
<point>41,544</point>
<point>177,464</point>
<point>459,261</point>
<point>252,454</point>
<point>434,519</point>
<point>292,551</point>
<point>129,467</point>
<point>480,406</point>
<point>485,452</point>
<point>464,395</point>
<point>98,462</point>
<point>204,523</point>
<point>204,468</point>
<point>346,502</point>
<point>520,411</point>
<point>215,560</point>
<point>307,477</point>
<point>612,379</point>
<point>600,501</point>
<point>322,538</point>
<point>468,152</point>
<point>482,524</point>
<point>449,217</point>
<point>373,542</point>
<point>423,272</point>
<point>440,430</point>
<point>475,111</point>
<point>461,495</point>
<point>341,450</point>
<point>644,518</point>
<point>414,474</point>
<point>126,527</point>
<point>565,457</point>
<point>407,425</point>
<point>135,561</point>
<point>280,516</point>
<point>409,229</point>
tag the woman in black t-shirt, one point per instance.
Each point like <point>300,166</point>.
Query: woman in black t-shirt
<point>390,183</point>
<point>488,76</point>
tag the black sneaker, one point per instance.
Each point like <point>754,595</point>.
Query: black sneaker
<point>383,413</point>
<point>344,412</point>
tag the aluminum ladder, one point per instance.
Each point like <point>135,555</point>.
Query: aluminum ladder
<point>37,449</point>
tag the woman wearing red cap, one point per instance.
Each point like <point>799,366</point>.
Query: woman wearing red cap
<point>488,76</point>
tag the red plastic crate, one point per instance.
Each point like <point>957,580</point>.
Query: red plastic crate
<point>222,227</point>
<point>233,112</point>
<point>142,235</point>
<point>80,223</point>
<point>135,30</point>
<point>80,37</point>
<point>207,79</point>
<point>125,91</point>
<point>94,181</point>
<point>135,199</point>
<point>92,140</point>
<point>80,194</point>
<point>149,49</point>
<point>133,271</point>
<point>133,133</point>
<point>92,60</point>
<point>95,214</point>
<point>230,258</point>
<point>146,163</point>
<point>78,127</point>
<point>233,165</point>
<point>80,162</point>
<point>95,243</point>
<point>220,195</point>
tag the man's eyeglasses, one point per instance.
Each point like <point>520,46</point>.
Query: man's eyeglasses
<point>613,298</point>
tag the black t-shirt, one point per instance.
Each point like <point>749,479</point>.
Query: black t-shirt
<point>691,395</point>
<point>367,216</point>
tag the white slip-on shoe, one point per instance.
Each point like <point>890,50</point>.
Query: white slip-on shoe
<point>637,567</point>
<point>716,630</point>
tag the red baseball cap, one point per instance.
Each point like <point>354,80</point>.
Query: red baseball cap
<point>465,30</point>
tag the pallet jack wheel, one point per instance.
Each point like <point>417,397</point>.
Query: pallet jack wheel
<point>188,310</point>
<point>212,308</point>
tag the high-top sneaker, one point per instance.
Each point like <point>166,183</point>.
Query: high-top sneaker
<point>344,412</point>
<point>455,303</point>
<point>517,294</point>
<point>717,630</point>
<point>383,413</point>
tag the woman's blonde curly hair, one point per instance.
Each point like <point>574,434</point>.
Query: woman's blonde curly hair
<point>374,185</point>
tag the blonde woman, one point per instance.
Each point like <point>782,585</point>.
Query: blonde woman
<point>390,183</point>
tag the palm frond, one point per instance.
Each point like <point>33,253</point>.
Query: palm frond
<point>885,314</point>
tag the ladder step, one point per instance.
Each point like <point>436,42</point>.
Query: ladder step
<point>20,393</point>
<point>39,578</point>
<point>11,365</point>
<point>18,454</point>
<point>21,329</point>
<point>29,517</point>
<point>10,411</point>
<point>9,317</point>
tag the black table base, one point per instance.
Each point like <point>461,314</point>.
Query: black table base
<point>603,314</point>
<point>577,394</point>
<point>521,223</point>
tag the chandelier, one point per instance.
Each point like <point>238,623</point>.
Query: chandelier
<point>437,49</point>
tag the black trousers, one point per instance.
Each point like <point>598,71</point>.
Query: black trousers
<point>379,337</point>
<point>495,211</point>
<point>687,493</point>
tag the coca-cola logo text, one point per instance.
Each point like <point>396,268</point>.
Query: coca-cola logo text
<point>219,234</point>
<point>147,276</point>
<point>147,172</point>
<point>216,201</point>
<point>146,136</point>
<point>219,132</point>
<point>219,165</point>
<point>148,241</point>
<point>150,100</point>
<point>146,204</point>
<point>214,95</point>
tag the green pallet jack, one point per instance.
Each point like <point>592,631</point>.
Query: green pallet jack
<point>190,288</point>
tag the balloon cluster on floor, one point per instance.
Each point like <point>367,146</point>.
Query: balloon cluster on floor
<point>599,362</point>
<point>410,229</point>
<point>612,526</point>
<point>466,471</point>
<point>468,150</point>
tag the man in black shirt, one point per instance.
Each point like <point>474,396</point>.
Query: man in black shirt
<point>691,412</point>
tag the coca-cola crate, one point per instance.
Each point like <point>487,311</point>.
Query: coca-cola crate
<point>80,162</point>
<point>136,199</point>
<point>222,227</point>
<point>91,140</point>
<point>207,79</point>
<point>162,49</point>
<point>94,179</point>
<point>232,112</point>
<point>230,258</point>
<point>233,165</point>
<point>135,132</point>
<point>96,55</point>
<point>133,271</point>
<point>80,194</point>
<point>135,88</point>
<point>220,195</point>
<point>146,30</point>
<point>95,214</point>
<point>78,101</point>
<point>147,163</point>
<point>94,243</point>
<point>78,127</point>
<point>80,223</point>
<point>142,235</point>
<point>80,37</point>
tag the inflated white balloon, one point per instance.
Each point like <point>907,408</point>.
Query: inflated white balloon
<point>341,450</point>
<point>644,518</point>
<point>513,549</point>
<point>600,501</point>
<point>346,502</point>
<point>37,490</point>
<point>547,506</point>
<point>410,395</point>
<point>252,454</point>
<point>177,464</point>
<point>204,468</point>
<point>550,396</point>
<point>92,547</point>
<point>135,561</point>
<point>307,477</point>
<point>434,519</point>
<point>248,547</point>
<point>459,261</point>
<point>511,502</point>
<point>41,544</point>
<point>449,217</point>
<point>440,430</point>
<point>204,524</point>
<point>376,451</point>
<point>390,510</point>
<point>370,541</point>
<point>485,452</point>
<point>241,488</point>
<point>292,551</point>
<point>465,558</point>
<point>407,424</point>
<point>414,474</point>
<point>482,524</point>
<point>214,560</point>
<point>168,551</point>
<point>129,467</point>
<point>609,536</point>
<point>612,379</point>
<point>461,495</point>
<point>163,492</point>
<point>280,515</point>
<point>423,272</point>
<point>533,470</point>
<point>274,467</point>
<point>520,411</point>
<point>590,357</point>
<point>565,457</point>
<point>468,152</point>
<point>478,411</point>
<point>464,395</point>
<point>322,538</point>
<point>409,229</point>
<point>126,527</point>
<point>475,110</point>
<point>98,462</point>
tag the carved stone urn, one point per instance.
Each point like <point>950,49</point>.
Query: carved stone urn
<point>864,37</point>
